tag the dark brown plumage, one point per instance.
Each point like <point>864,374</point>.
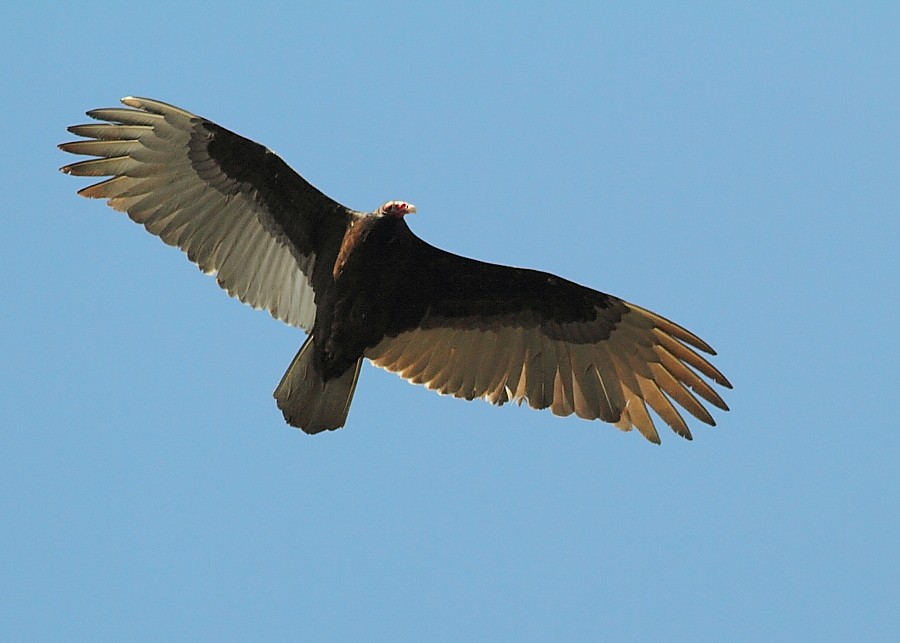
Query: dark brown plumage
<point>365,286</point>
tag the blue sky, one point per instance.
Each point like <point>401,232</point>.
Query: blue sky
<point>735,169</point>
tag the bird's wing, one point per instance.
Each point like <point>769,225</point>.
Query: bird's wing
<point>474,330</point>
<point>232,205</point>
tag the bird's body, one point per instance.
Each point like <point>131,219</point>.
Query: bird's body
<point>365,286</point>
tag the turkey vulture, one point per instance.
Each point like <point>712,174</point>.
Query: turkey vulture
<point>364,286</point>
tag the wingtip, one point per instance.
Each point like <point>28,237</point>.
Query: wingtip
<point>156,107</point>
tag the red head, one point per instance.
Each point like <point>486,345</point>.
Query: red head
<point>397,209</point>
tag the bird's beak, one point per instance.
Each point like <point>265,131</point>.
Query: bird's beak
<point>410,209</point>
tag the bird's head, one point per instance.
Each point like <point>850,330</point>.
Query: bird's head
<point>396,209</point>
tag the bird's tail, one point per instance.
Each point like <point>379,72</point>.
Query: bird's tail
<point>311,403</point>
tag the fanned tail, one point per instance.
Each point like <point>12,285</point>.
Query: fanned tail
<point>310,403</point>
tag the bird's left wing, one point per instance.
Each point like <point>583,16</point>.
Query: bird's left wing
<point>477,330</point>
<point>232,205</point>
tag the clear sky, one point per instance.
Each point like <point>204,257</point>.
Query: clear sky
<point>737,170</point>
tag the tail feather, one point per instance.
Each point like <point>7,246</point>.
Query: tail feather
<point>308,402</point>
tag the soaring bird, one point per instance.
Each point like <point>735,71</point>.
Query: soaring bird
<point>365,287</point>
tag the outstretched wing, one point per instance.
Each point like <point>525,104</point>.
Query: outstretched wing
<point>232,205</point>
<point>481,330</point>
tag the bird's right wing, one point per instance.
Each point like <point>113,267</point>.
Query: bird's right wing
<point>232,205</point>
